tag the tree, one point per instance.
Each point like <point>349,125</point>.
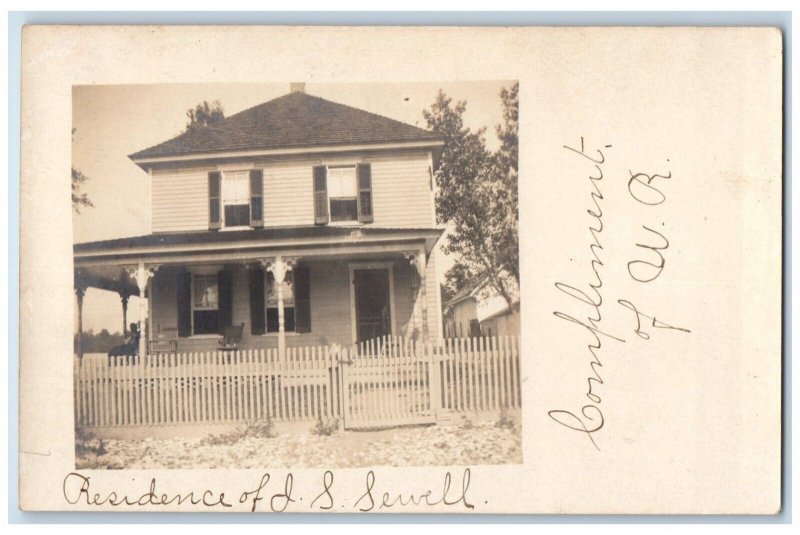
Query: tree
<point>79,199</point>
<point>204,114</point>
<point>505,170</point>
<point>456,278</point>
<point>477,195</point>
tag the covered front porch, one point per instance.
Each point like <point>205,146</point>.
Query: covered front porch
<point>310,287</point>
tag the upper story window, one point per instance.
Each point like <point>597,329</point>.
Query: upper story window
<point>236,199</point>
<point>342,193</point>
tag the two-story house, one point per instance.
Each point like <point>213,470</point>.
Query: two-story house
<point>307,221</point>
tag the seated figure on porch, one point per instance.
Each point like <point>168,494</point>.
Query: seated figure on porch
<point>131,346</point>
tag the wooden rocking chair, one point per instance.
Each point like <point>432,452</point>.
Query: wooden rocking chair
<point>231,336</point>
<point>164,341</point>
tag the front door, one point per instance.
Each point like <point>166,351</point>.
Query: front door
<point>373,307</point>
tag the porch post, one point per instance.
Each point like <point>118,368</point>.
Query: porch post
<point>124,298</point>
<point>422,266</point>
<point>80,291</point>
<point>142,274</point>
<point>279,268</point>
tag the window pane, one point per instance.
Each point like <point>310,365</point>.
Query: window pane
<point>288,319</point>
<point>236,187</point>
<point>344,209</point>
<point>272,320</point>
<point>205,292</point>
<point>206,321</point>
<point>237,215</point>
<point>288,290</point>
<point>273,325</point>
<point>341,182</point>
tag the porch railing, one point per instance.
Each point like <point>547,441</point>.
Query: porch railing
<point>470,374</point>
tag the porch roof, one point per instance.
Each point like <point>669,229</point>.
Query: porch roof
<point>252,241</point>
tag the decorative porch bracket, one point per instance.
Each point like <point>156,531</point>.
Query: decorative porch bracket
<point>279,266</point>
<point>142,274</point>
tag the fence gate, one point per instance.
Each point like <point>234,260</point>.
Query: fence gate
<point>387,389</point>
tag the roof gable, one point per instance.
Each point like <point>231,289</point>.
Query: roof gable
<point>293,120</point>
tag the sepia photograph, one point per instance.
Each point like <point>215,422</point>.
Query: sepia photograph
<point>296,275</point>
<point>400,269</point>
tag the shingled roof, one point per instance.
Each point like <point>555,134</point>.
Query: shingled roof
<point>293,120</point>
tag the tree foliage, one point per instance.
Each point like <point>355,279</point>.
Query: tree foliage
<point>455,279</point>
<point>79,199</point>
<point>204,114</point>
<point>477,195</point>
<point>101,342</point>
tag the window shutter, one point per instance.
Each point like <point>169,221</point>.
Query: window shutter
<point>225,299</point>
<point>365,193</point>
<point>257,198</point>
<point>214,215</point>
<point>184,293</point>
<point>258,318</point>
<point>320,195</point>
<point>302,299</point>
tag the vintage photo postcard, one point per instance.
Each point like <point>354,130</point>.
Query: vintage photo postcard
<point>445,270</point>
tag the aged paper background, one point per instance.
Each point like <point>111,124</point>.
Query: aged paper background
<point>691,420</point>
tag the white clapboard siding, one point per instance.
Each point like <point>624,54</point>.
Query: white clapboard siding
<point>383,382</point>
<point>401,191</point>
<point>180,199</point>
<point>288,194</point>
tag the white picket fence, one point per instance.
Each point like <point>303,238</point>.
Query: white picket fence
<point>387,381</point>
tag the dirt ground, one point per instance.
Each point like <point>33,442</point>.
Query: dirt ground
<point>475,443</point>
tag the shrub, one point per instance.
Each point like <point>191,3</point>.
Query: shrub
<point>259,428</point>
<point>325,428</point>
<point>224,439</point>
<point>86,442</point>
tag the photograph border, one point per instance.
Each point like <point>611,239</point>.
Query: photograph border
<point>16,20</point>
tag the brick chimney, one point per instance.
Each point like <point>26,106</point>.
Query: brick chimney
<point>297,87</point>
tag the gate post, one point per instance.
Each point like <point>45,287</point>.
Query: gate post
<point>434,378</point>
<point>341,356</point>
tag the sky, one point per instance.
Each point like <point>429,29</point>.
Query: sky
<point>111,122</point>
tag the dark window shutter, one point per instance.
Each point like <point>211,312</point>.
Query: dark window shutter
<point>214,214</point>
<point>225,296</point>
<point>365,193</point>
<point>302,299</point>
<point>184,293</point>
<point>320,195</point>
<point>257,198</point>
<point>258,320</point>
